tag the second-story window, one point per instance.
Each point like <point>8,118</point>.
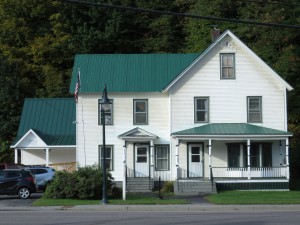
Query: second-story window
<point>108,114</point>
<point>140,111</point>
<point>254,105</point>
<point>201,109</point>
<point>227,61</point>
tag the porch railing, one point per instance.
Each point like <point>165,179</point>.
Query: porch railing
<point>255,172</point>
<point>163,175</point>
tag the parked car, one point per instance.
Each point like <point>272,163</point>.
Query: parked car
<point>43,175</point>
<point>17,182</point>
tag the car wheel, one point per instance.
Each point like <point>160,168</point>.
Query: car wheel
<point>24,193</point>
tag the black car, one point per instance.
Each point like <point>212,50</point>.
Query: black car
<point>17,182</point>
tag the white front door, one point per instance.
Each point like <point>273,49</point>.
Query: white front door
<point>195,160</point>
<point>142,161</point>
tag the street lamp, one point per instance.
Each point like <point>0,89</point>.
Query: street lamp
<point>105,105</point>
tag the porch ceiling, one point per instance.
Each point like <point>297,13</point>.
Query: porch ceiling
<point>231,130</point>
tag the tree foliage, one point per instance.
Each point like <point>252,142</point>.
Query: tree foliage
<point>39,39</point>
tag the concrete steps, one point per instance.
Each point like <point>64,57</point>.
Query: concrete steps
<point>139,184</point>
<point>194,187</point>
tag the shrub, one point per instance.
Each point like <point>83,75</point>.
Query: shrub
<point>84,183</point>
<point>168,187</point>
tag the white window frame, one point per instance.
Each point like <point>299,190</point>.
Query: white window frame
<point>225,68</point>
<point>108,114</point>
<point>111,158</point>
<point>254,111</point>
<point>135,112</point>
<point>206,110</point>
<point>167,149</point>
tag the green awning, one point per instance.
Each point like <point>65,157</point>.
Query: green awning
<point>231,129</point>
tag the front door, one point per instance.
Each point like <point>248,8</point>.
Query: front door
<point>195,160</point>
<point>142,161</point>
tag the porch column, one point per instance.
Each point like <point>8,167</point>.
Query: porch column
<point>248,158</point>
<point>209,158</point>
<point>47,156</point>
<point>177,159</point>
<point>16,156</point>
<point>287,158</point>
<point>124,170</point>
<point>152,159</point>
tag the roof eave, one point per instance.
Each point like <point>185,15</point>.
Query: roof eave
<point>231,137</point>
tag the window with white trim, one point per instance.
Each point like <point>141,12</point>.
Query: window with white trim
<point>162,157</point>
<point>227,61</point>
<point>108,114</point>
<point>201,109</point>
<point>254,109</point>
<point>140,111</point>
<point>260,155</point>
<point>108,158</point>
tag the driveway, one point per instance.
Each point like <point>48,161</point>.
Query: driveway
<point>15,201</point>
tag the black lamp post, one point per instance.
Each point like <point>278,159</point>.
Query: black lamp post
<point>105,105</point>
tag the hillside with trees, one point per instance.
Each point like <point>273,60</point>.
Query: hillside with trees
<point>39,39</point>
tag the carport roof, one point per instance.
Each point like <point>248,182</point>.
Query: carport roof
<point>52,119</point>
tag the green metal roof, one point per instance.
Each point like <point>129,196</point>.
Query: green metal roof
<point>51,119</point>
<point>230,129</point>
<point>128,72</point>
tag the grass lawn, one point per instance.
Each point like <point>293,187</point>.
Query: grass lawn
<point>132,199</point>
<point>255,197</point>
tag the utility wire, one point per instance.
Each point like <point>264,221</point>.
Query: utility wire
<point>183,14</point>
<point>266,2</point>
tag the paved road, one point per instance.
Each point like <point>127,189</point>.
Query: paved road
<point>15,201</point>
<point>149,218</point>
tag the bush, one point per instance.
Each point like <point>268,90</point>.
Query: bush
<point>168,187</point>
<point>84,183</point>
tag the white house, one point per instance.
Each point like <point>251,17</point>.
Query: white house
<point>215,119</point>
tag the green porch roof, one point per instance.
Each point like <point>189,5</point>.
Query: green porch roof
<point>51,119</point>
<point>128,72</point>
<point>231,129</point>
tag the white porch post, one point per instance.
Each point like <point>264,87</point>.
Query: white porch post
<point>124,168</point>
<point>177,159</point>
<point>152,158</point>
<point>248,158</point>
<point>209,157</point>
<point>16,156</point>
<point>287,158</point>
<point>47,156</point>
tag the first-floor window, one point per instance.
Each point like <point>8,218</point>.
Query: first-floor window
<point>260,155</point>
<point>109,157</point>
<point>162,157</point>
<point>237,155</point>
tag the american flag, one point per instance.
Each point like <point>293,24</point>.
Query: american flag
<point>77,86</point>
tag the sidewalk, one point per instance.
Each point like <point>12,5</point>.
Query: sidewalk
<point>159,208</point>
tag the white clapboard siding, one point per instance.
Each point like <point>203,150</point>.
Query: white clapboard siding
<point>227,98</point>
<point>89,133</point>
